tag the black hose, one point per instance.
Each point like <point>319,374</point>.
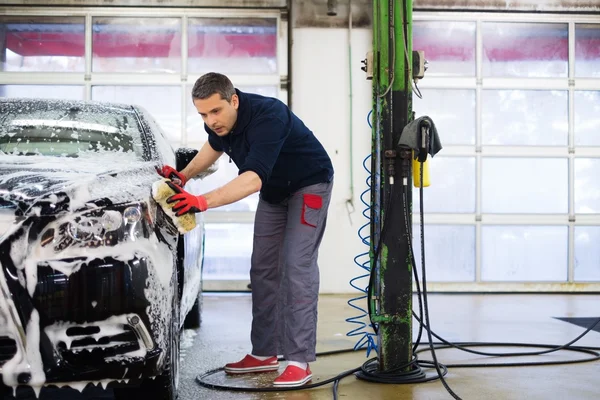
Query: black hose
<point>424,293</point>
<point>412,372</point>
<point>389,377</point>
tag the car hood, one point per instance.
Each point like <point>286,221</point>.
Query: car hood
<point>39,185</point>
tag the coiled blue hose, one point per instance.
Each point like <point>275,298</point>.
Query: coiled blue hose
<point>367,338</point>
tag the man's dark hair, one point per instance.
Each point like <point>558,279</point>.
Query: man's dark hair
<point>211,83</point>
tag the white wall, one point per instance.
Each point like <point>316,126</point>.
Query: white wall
<point>321,98</point>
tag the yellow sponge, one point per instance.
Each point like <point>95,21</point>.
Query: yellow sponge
<point>161,192</point>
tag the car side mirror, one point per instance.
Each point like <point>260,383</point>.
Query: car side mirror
<point>185,154</point>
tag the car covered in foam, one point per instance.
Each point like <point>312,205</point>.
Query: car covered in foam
<point>96,282</point>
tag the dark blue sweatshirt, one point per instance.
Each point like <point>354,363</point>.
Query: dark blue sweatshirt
<point>274,143</point>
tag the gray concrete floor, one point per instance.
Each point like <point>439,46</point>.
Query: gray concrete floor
<point>224,337</point>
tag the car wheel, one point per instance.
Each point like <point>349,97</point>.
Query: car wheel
<point>164,386</point>
<point>194,318</point>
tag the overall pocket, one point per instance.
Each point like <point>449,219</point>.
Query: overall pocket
<point>311,209</point>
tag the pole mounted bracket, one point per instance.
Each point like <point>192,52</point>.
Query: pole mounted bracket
<point>368,65</point>
<point>419,64</point>
<point>405,165</point>
<point>389,319</point>
<point>406,154</point>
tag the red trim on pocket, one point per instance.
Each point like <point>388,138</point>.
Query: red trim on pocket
<point>312,201</point>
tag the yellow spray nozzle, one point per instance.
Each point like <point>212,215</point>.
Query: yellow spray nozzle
<point>416,168</point>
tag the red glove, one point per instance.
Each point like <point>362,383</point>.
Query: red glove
<point>187,202</point>
<point>172,174</point>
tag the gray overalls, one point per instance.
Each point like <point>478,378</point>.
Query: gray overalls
<point>284,273</point>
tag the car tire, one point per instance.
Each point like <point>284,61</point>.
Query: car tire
<point>165,385</point>
<point>194,318</point>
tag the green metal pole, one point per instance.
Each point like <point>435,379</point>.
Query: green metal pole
<point>391,298</point>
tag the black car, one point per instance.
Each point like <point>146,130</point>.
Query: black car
<point>96,281</point>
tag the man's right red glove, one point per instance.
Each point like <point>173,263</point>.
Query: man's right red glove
<point>186,202</point>
<point>172,174</point>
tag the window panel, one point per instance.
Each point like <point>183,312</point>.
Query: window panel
<point>163,102</point>
<point>228,171</point>
<point>227,252</point>
<point>453,112</point>
<point>448,175</point>
<point>587,185</point>
<point>449,252</point>
<point>525,49</point>
<point>524,253</point>
<point>136,45</point>
<point>587,118</point>
<point>587,253</point>
<point>449,46</point>
<point>525,117</point>
<point>67,92</point>
<point>233,45</point>
<point>525,185</point>
<point>587,50</point>
<point>41,44</point>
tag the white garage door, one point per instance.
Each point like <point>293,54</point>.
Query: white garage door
<point>515,199</point>
<point>151,57</point>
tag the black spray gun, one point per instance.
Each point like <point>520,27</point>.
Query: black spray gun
<point>422,138</point>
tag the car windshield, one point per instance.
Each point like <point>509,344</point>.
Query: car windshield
<point>68,129</point>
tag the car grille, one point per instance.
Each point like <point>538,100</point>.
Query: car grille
<point>87,347</point>
<point>100,289</point>
<point>8,349</point>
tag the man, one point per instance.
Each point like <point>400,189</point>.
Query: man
<point>279,156</point>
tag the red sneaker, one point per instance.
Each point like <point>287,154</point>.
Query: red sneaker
<point>251,364</point>
<point>293,376</point>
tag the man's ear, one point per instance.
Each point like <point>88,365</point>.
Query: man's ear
<point>235,101</point>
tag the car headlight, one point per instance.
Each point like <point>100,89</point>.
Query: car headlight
<point>112,220</point>
<point>97,227</point>
<point>86,228</point>
<point>132,215</point>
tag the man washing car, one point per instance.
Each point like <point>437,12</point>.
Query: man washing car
<point>278,156</point>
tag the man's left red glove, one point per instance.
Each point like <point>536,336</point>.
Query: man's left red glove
<point>171,173</point>
<point>187,202</point>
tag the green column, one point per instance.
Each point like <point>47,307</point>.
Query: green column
<point>391,297</point>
